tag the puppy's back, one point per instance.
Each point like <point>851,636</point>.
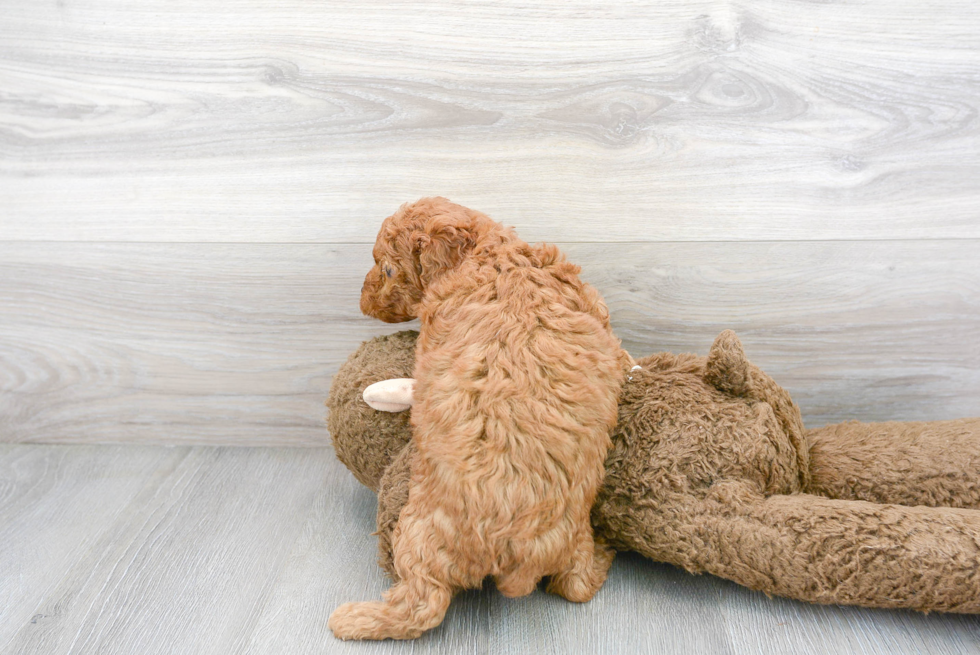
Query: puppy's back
<point>518,392</point>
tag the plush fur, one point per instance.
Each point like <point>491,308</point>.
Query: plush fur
<point>712,470</point>
<point>377,442</point>
<point>518,375</point>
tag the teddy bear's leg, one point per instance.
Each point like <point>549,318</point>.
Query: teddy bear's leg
<point>848,552</point>
<point>392,497</point>
<point>934,463</point>
<point>588,568</point>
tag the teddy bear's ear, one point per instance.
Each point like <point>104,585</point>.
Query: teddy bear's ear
<point>727,368</point>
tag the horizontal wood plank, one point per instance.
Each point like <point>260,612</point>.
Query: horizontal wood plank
<point>263,121</point>
<point>872,332</point>
<point>175,344</point>
<point>237,344</point>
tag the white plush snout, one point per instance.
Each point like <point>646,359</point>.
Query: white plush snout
<point>390,395</point>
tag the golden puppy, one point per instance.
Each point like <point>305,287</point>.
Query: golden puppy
<point>518,376</point>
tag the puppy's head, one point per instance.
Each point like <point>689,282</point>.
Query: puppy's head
<point>415,246</point>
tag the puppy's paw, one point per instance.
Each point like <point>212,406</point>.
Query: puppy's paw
<point>581,582</point>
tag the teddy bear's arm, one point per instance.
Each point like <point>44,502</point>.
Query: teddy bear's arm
<point>934,463</point>
<point>846,551</point>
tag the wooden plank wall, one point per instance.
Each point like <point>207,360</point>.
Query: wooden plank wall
<point>189,191</point>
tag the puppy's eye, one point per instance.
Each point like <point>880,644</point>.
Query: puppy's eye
<point>387,270</point>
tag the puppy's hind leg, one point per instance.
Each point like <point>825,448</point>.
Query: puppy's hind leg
<point>587,570</point>
<point>411,607</point>
<point>418,601</point>
<point>518,582</point>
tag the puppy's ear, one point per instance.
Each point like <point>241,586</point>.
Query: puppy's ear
<point>441,246</point>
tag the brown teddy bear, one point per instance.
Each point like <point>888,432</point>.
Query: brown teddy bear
<point>711,469</point>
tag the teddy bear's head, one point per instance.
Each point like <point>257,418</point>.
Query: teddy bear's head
<point>367,440</point>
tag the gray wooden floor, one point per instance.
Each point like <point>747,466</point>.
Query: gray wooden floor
<point>135,549</point>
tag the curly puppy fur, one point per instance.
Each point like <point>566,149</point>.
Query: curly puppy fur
<point>518,375</point>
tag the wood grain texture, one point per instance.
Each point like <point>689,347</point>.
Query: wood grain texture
<point>864,331</point>
<point>56,505</point>
<point>261,121</point>
<point>247,550</point>
<point>237,344</point>
<point>186,568</point>
<point>175,344</point>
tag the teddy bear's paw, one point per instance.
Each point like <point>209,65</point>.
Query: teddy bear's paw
<point>368,621</point>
